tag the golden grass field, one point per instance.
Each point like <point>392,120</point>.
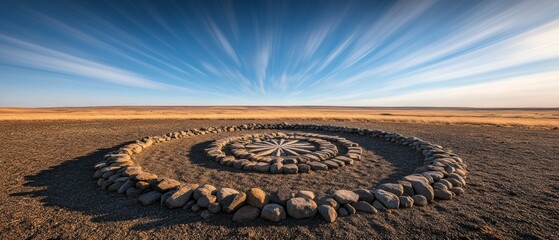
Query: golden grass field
<point>541,118</point>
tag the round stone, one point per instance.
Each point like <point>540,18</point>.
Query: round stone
<point>421,186</point>
<point>246,213</point>
<point>394,188</point>
<point>180,197</point>
<point>350,209</point>
<point>420,200</point>
<point>233,202</point>
<point>364,207</point>
<point>406,202</point>
<point>328,213</point>
<point>345,196</point>
<point>388,199</point>
<point>301,208</point>
<point>150,197</point>
<point>224,192</point>
<point>256,197</point>
<point>281,196</point>
<point>365,195</point>
<point>305,194</point>
<point>214,207</point>
<point>273,212</point>
<point>205,201</point>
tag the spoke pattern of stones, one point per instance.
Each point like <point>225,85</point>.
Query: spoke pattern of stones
<point>441,177</point>
<point>287,153</point>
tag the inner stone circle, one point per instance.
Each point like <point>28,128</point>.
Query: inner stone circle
<point>284,153</point>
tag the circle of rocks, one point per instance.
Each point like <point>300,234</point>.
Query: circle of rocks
<point>441,177</point>
<point>289,153</point>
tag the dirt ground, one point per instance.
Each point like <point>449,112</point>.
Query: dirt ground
<point>47,190</point>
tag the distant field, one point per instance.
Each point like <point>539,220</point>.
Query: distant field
<point>547,118</point>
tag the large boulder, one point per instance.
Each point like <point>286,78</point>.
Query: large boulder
<point>273,212</point>
<point>301,208</point>
<point>345,196</point>
<point>388,199</point>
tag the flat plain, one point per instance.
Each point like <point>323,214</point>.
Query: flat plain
<point>47,189</point>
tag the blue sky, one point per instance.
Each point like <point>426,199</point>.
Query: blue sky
<point>352,53</point>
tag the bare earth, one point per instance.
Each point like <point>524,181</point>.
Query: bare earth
<point>47,189</point>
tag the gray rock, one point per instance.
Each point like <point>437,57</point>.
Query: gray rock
<point>150,197</point>
<point>364,207</point>
<point>343,212</point>
<point>246,213</point>
<point>273,212</point>
<point>165,196</point>
<point>282,196</point>
<point>195,208</point>
<point>345,196</point>
<point>388,199</point>
<point>276,168</point>
<point>125,186</point>
<point>331,164</point>
<point>203,190</point>
<point>205,201</point>
<point>328,213</point>
<point>214,207</point>
<point>350,209</point>
<point>455,182</point>
<point>301,208</point>
<point>394,188</point>
<point>290,168</point>
<point>443,194</point>
<point>420,200</point>
<point>304,168</point>
<point>327,200</point>
<point>224,192</point>
<point>435,175</point>
<point>459,178</point>
<point>256,197</point>
<point>180,197</point>
<point>421,186</point>
<point>408,188</point>
<point>262,167</point>
<point>189,204</point>
<point>133,192</point>
<point>406,202</point>
<point>379,206</point>
<point>305,194</point>
<point>233,202</point>
<point>317,166</point>
<point>145,176</point>
<point>457,190</point>
<point>115,186</point>
<point>365,195</point>
<point>446,183</point>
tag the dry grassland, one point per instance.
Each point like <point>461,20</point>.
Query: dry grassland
<point>540,118</point>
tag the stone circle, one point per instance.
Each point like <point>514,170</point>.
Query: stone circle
<point>285,153</point>
<point>441,177</point>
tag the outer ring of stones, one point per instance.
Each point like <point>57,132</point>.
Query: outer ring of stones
<point>326,156</point>
<point>441,177</point>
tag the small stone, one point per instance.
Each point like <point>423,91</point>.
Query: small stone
<point>246,213</point>
<point>455,182</point>
<point>142,185</point>
<point>343,212</point>
<point>388,199</point>
<point>317,166</point>
<point>205,201</point>
<point>290,168</point>
<point>133,192</point>
<point>327,200</point>
<point>128,184</point>
<point>408,188</point>
<point>301,208</point>
<point>364,207</point>
<point>261,167</point>
<point>443,194</point>
<point>459,178</point>
<point>180,197</point>
<point>145,177</point>
<point>214,207</point>
<point>394,188</point>
<point>305,194</point>
<point>406,202</point>
<point>165,196</point>
<point>439,186</point>
<point>328,213</point>
<point>304,168</point>
<point>281,196</point>
<point>203,190</point>
<point>273,212</point>
<point>195,208</point>
<point>167,184</point>
<point>365,195</point>
<point>224,192</point>
<point>331,164</point>
<point>150,197</point>
<point>420,200</point>
<point>206,214</point>
<point>446,183</point>
<point>421,186</point>
<point>189,204</point>
<point>256,197</point>
<point>276,168</point>
<point>350,209</point>
<point>457,190</point>
<point>379,206</point>
<point>345,196</point>
<point>115,186</point>
<point>233,202</point>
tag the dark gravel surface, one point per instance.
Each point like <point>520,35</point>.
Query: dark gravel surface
<point>47,190</point>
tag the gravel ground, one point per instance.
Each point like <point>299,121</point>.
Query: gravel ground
<point>46,189</point>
